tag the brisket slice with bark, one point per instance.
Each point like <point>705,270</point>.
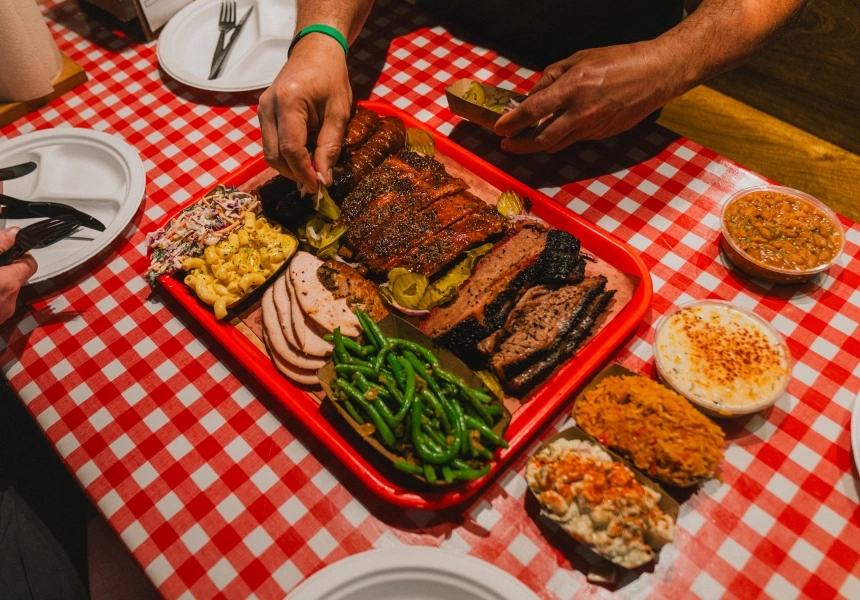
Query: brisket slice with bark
<point>542,369</point>
<point>396,236</point>
<point>389,213</point>
<point>438,250</point>
<point>388,139</point>
<point>531,254</point>
<point>538,323</point>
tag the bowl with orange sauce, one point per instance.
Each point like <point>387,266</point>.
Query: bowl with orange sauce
<point>779,234</point>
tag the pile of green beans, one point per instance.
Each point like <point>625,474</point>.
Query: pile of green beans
<point>442,428</point>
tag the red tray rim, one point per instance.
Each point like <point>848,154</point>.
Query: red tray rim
<point>530,418</point>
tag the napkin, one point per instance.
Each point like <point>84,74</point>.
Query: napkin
<point>29,57</point>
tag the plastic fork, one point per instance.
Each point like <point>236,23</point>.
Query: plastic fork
<point>226,22</point>
<point>39,235</point>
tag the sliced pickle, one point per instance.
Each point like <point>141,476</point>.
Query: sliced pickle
<point>499,108</point>
<point>333,234</point>
<point>420,141</point>
<point>325,206</point>
<point>395,273</point>
<point>447,286</point>
<point>510,204</point>
<point>492,382</point>
<point>475,94</point>
<point>409,289</point>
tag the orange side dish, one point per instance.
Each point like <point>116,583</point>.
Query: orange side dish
<point>781,230</point>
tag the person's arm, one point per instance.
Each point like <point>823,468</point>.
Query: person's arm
<point>14,276</point>
<point>311,91</point>
<point>601,92</point>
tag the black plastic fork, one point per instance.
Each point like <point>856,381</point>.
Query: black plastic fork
<point>38,235</point>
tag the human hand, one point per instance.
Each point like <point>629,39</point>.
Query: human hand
<point>591,95</point>
<point>311,91</point>
<point>14,276</point>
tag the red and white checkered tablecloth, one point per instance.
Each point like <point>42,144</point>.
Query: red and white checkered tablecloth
<point>219,494</point>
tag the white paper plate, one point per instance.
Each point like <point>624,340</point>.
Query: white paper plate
<point>97,173</point>
<point>187,43</point>
<point>855,431</point>
<point>416,573</point>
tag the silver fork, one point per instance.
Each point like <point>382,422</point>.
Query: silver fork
<point>226,23</point>
<point>38,235</point>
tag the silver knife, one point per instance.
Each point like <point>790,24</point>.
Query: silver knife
<point>13,208</point>
<point>16,171</point>
<point>219,64</point>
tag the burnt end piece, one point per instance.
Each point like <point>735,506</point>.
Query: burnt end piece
<point>538,324</point>
<point>282,202</point>
<point>538,372</point>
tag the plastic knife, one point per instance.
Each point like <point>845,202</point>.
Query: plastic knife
<point>13,208</point>
<point>16,171</point>
<point>219,64</point>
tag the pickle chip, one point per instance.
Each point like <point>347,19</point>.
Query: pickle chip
<point>510,204</point>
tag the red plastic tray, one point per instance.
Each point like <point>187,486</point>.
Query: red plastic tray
<point>542,405</point>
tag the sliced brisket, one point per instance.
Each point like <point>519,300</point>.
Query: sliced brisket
<point>531,255</point>
<point>539,371</point>
<point>536,326</point>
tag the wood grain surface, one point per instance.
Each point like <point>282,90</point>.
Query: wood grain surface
<point>768,146</point>
<point>810,75</point>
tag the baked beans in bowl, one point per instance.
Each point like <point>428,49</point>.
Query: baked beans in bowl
<point>779,234</point>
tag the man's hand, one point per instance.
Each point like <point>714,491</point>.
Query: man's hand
<point>591,95</point>
<point>311,91</point>
<point>13,276</point>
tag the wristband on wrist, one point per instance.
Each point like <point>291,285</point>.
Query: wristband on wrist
<point>324,29</point>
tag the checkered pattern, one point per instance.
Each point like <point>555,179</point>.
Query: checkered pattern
<point>218,494</point>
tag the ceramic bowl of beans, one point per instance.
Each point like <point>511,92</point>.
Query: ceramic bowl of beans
<point>779,234</point>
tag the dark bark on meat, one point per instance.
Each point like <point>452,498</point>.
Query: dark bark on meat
<point>397,231</point>
<point>528,379</point>
<point>396,174</point>
<point>550,261</point>
<point>388,213</point>
<point>537,325</point>
<point>360,127</point>
<point>283,203</point>
<point>388,139</point>
<point>437,251</point>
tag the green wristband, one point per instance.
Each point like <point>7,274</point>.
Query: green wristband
<point>324,29</point>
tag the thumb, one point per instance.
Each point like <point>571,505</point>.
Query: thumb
<point>7,238</point>
<point>329,142</point>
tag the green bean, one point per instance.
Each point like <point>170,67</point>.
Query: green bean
<point>459,422</point>
<point>468,474</point>
<point>422,447</point>
<point>350,369</point>
<point>429,473</point>
<point>379,359</point>
<point>438,410</point>
<point>375,330</point>
<point>485,431</point>
<point>421,369</point>
<point>397,369</point>
<point>363,321</point>
<point>417,349</point>
<point>353,413</point>
<point>494,410</point>
<point>365,386</point>
<point>381,426</point>
<point>339,349</point>
<point>434,434</point>
<point>447,475</point>
<point>329,337</point>
<point>408,467</point>
<point>357,348</point>
<point>409,372</point>
<point>388,382</point>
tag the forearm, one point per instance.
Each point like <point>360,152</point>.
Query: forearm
<point>347,16</point>
<point>721,35</point>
